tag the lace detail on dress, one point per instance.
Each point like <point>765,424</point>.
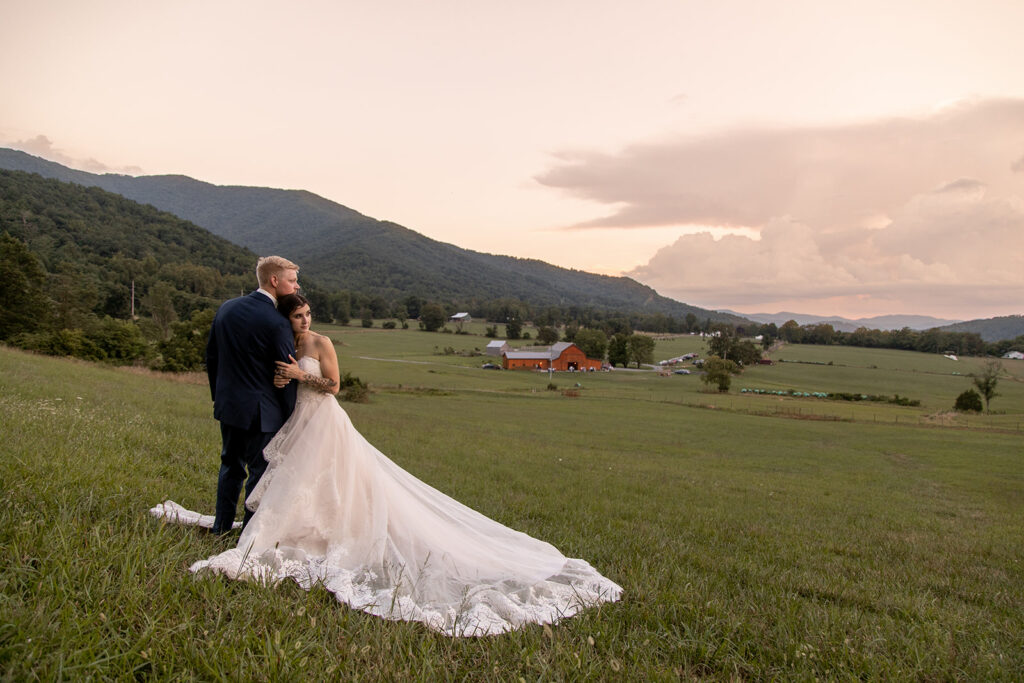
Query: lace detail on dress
<point>305,393</point>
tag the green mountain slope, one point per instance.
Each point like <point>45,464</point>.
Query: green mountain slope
<point>93,244</point>
<point>342,248</point>
<point>991,329</point>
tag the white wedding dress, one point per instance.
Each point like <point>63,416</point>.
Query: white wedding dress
<point>333,510</point>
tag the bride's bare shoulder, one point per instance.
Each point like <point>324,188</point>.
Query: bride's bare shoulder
<point>321,341</point>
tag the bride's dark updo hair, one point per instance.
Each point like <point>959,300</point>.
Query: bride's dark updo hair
<point>289,302</point>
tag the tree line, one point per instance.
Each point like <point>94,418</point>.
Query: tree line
<point>927,341</point>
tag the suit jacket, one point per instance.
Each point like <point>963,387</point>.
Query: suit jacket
<point>247,336</point>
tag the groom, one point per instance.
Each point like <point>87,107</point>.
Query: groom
<point>247,336</point>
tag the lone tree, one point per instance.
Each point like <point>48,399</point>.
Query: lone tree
<point>431,317</point>
<point>724,337</point>
<point>719,371</point>
<point>640,348</point>
<point>987,380</point>
<point>728,345</point>
<point>618,351</point>
<point>594,343</point>
<point>547,335</point>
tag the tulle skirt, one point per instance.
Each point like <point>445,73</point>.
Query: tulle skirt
<point>333,510</point>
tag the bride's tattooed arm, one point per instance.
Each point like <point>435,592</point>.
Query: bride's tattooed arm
<point>324,384</point>
<point>289,371</point>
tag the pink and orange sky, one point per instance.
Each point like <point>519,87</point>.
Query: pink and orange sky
<point>833,158</point>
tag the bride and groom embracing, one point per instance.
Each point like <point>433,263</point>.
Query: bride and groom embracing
<point>323,506</point>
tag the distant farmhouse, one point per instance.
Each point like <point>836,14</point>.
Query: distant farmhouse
<point>497,347</point>
<point>461,318</point>
<point>563,356</point>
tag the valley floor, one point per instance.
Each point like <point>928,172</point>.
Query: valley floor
<point>859,541</point>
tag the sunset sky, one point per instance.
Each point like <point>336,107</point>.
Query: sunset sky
<point>833,158</point>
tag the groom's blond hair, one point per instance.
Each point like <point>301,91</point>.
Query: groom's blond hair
<point>269,266</point>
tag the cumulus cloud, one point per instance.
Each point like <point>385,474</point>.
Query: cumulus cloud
<point>42,146</point>
<point>922,214</point>
<point>950,251</point>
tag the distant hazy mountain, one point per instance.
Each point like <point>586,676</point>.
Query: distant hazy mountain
<point>879,322</point>
<point>991,329</point>
<point>342,248</point>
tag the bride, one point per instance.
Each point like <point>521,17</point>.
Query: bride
<point>333,510</point>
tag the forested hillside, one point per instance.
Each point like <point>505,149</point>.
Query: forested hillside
<point>991,329</point>
<point>341,248</point>
<point>71,257</point>
<point>94,244</point>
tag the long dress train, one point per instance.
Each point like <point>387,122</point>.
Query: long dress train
<point>332,509</point>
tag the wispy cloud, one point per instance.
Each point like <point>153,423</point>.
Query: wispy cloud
<point>42,146</point>
<point>926,211</point>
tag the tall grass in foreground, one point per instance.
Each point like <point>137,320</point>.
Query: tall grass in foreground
<point>748,546</point>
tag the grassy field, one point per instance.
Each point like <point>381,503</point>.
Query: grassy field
<point>755,537</point>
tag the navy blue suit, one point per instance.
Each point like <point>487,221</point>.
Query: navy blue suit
<point>247,336</point>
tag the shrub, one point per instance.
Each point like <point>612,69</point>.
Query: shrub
<point>389,325</point>
<point>120,340</point>
<point>60,343</point>
<point>186,348</point>
<point>968,402</point>
<point>353,389</point>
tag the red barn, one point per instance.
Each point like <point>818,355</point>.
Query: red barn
<point>563,356</point>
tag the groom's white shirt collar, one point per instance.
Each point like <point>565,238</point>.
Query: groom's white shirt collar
<point>267,294</point>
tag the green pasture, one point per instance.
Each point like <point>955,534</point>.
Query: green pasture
<point>755,537</point>
<point>413,359</point>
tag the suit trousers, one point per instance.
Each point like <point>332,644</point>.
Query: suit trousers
<point>242,450</point>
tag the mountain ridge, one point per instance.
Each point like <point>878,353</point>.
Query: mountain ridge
<point>990,329</point>
<point>345,249</point>
<point>879,322</point>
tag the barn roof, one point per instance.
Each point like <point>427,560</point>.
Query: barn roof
<point>550,353</point>
<point>530,355</point>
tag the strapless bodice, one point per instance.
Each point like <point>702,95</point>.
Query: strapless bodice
<point>305,393</point>
<point>310,365</point>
